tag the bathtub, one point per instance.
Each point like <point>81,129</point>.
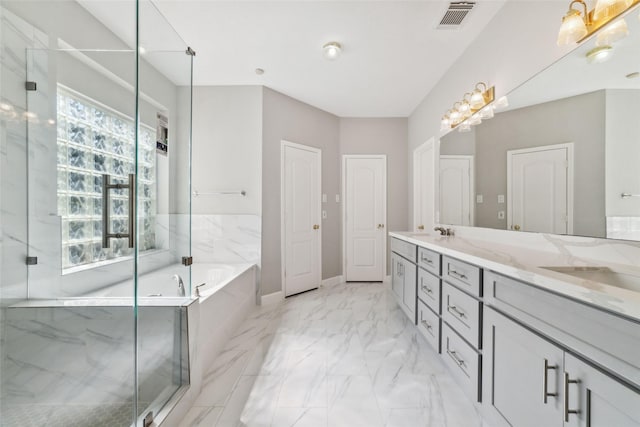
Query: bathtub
<point>209,278</point>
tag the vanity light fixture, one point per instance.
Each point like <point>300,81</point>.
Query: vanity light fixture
<point>614,32</point>
<point>579,24</point>
<point>332,50</point>
<point>474,107</point>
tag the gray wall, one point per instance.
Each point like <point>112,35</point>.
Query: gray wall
<point>382,136</point>
<point>227,149</point>
<point>579,119</point>
<point>284,118</point>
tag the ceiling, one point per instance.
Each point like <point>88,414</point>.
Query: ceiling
<point>393,55</point>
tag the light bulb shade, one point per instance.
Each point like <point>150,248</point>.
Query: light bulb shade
<point>454,116</point>
<point>599,54</point>
<point>445,124</point>
<point>332,50</point>
<point>612,33</point>
<point>475,120</point>
<point>464,126</point>
<point>486,112</point>
<point>572,29</point>
<point>502,102</point>
<point>464,108</point>
<point>477,99</point>
<point>607,9</point>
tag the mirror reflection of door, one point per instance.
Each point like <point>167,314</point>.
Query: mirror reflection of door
<point>456,190</point>
<point>423,186</point>
<point>540,189</point>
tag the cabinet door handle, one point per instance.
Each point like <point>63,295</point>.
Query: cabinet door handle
<point>545,381</point>
<point>455,358</point>
<point>458,275</point>
<point>426,289</point>
<point>568,411</point>
<point>456,311</point>
<point>427,260</point>
<point>427,325</point>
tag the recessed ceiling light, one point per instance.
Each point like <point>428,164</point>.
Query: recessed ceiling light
<point>259,71</point>
<point>332,50</point>
<point>599,54</point>
<point>633,75</point>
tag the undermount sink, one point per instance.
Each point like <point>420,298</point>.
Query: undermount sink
<point>602,275</point>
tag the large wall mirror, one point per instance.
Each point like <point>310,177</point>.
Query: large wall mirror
<point>563,157</point>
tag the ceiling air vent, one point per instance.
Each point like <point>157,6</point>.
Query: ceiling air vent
<point>455,14</point>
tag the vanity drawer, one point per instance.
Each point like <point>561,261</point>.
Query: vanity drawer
<point>406,249</point>
<point>429,325</point>
<point>462,312</point>
<point>429,289</point>
<point>429,260</point>
<point>463,275</point>
<point>463,361</point>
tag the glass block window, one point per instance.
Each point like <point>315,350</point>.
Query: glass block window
<point>93,140</point>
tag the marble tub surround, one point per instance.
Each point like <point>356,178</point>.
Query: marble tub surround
<point>343,355</point>
<point>226,239</point>
<point>522,258</point>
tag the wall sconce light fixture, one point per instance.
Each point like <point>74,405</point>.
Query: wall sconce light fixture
<point>579,24</point>
<point>471,110</point>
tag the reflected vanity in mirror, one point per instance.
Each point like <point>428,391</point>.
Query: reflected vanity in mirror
<point>563,157</point>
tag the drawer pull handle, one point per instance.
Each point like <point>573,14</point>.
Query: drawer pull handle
<point>427,325</point>
<point>426,289</point>
<point>456,359</point>
<point>427,260</point>
<point>457,312</point>
<point>545,381</point>
<point>568,411</point>
<point>458,275</point>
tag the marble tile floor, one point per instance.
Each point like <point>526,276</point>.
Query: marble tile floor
<point>343,355</point>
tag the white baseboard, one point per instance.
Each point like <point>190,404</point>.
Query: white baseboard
<point>272,298</point>
<point>332,281</point>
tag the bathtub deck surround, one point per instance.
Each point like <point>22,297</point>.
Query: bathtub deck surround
<point>344,355</point>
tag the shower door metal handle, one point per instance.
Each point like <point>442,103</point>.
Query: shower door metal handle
<point>107,186</point>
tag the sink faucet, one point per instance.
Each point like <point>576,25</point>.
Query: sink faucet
<point>444,231</point>
<point>178,279</point>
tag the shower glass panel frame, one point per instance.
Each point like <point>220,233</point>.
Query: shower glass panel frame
<point>88,332</point>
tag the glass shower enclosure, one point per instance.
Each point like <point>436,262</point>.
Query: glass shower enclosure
<point>95,143</point>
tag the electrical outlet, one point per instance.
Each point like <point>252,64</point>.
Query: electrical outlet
<point>500,214</point>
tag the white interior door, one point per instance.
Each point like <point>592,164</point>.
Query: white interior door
<point>456,190</point>
<point>424,186</point>
<point>540,189</point>
<point>365,198</point>
<point>301,218</point>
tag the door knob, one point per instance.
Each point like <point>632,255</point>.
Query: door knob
<point>316,226</point>
<point>516,227</point>
<point>421,227</point>
<point>380,226</point>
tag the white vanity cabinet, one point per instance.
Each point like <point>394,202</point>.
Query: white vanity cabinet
<point>404,276</point>
<point>531,381</point>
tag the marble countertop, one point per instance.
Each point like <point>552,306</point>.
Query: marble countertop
<point>525,265</point>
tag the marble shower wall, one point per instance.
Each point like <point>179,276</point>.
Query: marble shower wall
<point>226,239</point>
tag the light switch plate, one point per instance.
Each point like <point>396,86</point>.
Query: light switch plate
<point>500,198</point>
<point>500,214</point>
<point>337,198</point>
<point>479,198</point>
<point>324,198</point>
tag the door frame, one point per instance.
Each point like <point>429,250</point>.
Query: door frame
<point>570,181</point>
<point>344,209</point>
<point>472,183</point>
<point>425,146</point>
<point>283,254</point>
